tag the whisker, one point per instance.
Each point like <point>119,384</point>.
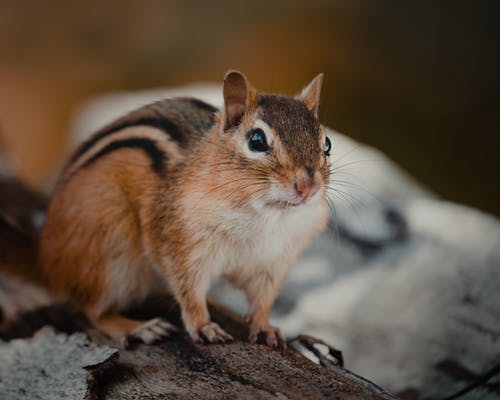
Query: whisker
<point>333,220</point>
<point>347,196</point>
<point>342,196</point>
<point>354,162</point>
<point>233,193</point>
<point>355,187</point>
<point>227,183</point>
<point>346,153</point>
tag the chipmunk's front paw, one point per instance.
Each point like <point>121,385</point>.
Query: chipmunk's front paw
<point>269,335</point>
<point>211,333</point>
<point>152,331</point>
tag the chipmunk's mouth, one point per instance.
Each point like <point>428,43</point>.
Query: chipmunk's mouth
<point>285,197</point>
<point>286,203</point>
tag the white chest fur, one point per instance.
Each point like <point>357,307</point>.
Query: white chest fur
<point>242,243</point>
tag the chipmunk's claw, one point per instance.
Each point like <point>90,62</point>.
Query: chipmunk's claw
<point>211,333</point>
<point>152,331</point>
<point>271,336</point>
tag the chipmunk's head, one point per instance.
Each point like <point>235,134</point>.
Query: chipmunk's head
<point>278,149</point>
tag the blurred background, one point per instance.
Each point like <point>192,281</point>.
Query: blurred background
<point>418,80</point>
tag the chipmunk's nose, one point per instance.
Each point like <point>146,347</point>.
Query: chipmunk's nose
<point>307,183</point>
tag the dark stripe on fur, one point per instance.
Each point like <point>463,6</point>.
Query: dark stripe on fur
<point>148,146</point>
<point>204,106</point>
<point>161,123</point>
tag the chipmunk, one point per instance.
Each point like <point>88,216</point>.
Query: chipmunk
<point>179,193</point>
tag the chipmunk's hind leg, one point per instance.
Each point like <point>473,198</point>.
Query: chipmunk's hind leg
<point>129,330</point>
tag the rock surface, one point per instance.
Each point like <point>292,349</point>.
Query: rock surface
<point>61,366</point>
<point>49,366</point>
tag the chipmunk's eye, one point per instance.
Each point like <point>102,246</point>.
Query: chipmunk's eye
<point>328,146</point>
<point>257,140</point>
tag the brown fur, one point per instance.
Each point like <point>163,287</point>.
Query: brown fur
<point>116,231</point>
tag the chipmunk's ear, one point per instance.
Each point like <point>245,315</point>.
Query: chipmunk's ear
<point>311,93</point>
<point>239,95</point>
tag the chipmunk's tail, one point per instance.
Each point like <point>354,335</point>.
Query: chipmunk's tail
<point>21,217</point>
